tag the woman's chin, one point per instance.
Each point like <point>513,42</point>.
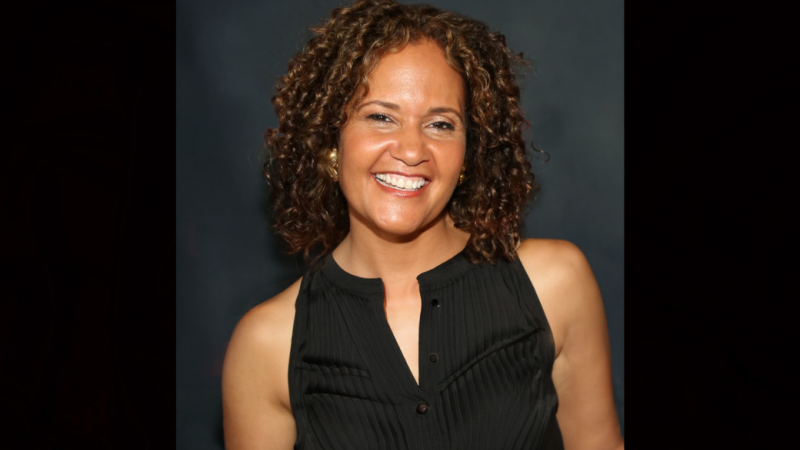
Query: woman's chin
<point>396,225</point>
<point>399,231</point>
<point>404,229</point>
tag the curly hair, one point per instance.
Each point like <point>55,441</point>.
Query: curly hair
<point>329,77</point>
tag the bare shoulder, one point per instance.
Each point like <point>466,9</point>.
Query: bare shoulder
<point>264,333</point>
<point>265,324</point>
<point>571,300</point>
<point>551,255</point>
<point>255,387</point>
<point>556,265</point>
<point>564,283</point>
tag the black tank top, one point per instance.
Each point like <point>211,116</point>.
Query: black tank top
<point>485,361</point>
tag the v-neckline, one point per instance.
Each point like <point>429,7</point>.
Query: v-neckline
<point>399,351</point>
<point>373,290</point>
<point>443,274</point>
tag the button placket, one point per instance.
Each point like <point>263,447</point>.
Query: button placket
<point>433,357</point>
<point>428,343</point>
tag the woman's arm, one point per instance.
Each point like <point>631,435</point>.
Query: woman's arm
<point>255,386</point>
<point>572,303</point>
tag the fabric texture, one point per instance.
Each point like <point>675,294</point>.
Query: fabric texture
<point>485,361</point>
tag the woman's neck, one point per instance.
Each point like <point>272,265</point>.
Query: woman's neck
<point>366,254</point>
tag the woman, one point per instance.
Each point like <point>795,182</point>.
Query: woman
<point>399,161</point>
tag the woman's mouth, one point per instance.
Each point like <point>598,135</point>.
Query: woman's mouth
<point>400,182</point>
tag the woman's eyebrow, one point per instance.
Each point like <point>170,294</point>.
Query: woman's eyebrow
<point>395,107</point>
<point>444,109</point>
<point>381,103</point>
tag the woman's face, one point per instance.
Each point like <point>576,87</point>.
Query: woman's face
<point>402,149</point>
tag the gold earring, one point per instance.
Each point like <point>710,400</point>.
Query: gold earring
<point>461,177</point>
<point>333,169</point>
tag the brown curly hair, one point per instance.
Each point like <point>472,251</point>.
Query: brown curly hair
<point>328,78</point>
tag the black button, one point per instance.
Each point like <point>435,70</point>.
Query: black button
<point>434,357</point>
<point>435,303</point>
<point>422,408</point>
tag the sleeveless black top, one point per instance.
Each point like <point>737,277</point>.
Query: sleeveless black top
<point>485,361</point>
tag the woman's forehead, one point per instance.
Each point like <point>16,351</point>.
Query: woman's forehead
<point>419,73</point>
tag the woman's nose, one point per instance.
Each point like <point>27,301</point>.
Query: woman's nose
<point>410,147</point>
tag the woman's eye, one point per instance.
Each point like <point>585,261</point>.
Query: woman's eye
<point>444,126</point>
<point>380,117</point>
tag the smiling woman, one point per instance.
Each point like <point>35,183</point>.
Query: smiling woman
<point>403,148</point>
<point>399,170</point>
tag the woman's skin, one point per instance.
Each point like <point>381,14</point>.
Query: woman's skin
<point>412,124</point>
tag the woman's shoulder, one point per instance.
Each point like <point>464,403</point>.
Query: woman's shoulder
<point>261,341</point>
<point>277,306</point>
<point>581,373</point>
<point>268,323</point>
<point>551,254</point>
<point>565,284</point>
<point>255,387</point>
<point>555,264</point>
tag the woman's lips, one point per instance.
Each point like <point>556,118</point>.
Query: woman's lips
<point>396,184</point>
<point>401,182</point>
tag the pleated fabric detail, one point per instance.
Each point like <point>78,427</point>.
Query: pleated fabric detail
<point>485,361</point>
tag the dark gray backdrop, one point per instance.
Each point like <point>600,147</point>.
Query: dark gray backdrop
<point>229,55</point>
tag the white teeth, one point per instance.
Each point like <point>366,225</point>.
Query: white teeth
<point>399,182</point>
